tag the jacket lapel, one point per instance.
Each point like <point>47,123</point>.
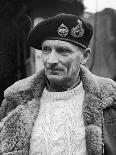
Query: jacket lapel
<point>93,118</point>
<point>17,127</point>
<point>97,98</point>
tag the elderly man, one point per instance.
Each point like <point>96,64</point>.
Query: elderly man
<point>64,109</point>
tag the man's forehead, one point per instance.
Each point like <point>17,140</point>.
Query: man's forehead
<point>59,43</point>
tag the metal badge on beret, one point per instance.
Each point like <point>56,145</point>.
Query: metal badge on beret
<point>63,30</point>
<point>77,31</point>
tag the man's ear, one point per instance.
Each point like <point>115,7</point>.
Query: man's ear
<point>86,54</point>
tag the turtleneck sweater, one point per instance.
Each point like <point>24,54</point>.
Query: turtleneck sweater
<point>59,128</point>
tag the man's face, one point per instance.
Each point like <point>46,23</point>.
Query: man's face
<point>61,60</point>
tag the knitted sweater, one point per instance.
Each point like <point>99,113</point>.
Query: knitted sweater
<point>59,128</point>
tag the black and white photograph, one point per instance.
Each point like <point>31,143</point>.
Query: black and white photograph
<point>57,77</point>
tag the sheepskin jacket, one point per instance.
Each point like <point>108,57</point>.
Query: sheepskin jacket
<point>99,112</point>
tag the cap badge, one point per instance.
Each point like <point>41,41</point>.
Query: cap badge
<point>77,31</point>
<point>63,30</point>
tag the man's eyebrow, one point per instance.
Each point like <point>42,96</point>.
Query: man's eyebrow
<point>58,47</point>
<point>45,45</point>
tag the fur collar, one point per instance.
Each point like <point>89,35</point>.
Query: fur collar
<point>16,128</point>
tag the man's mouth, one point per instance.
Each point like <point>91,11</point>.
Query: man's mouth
<point>54,70</point>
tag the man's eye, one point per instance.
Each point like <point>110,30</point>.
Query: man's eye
<point>63,51</point>
<point>46,49</point>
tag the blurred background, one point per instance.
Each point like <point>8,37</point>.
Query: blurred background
<point>18,60</point>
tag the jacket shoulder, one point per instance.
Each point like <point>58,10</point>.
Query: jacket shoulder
<point>18,86</point>
<point>24,85</point>
<point>96,83</point>
<point>107,90</point>
<point>105,83</point>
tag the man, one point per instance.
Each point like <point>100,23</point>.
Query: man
<point>64,109</point>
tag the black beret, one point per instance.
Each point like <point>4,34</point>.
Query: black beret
<point>66,27</point>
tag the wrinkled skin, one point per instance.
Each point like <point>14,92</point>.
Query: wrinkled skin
<point>62,62</point>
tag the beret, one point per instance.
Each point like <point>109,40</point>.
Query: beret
<point>66,27</point>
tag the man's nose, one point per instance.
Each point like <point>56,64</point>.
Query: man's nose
<point>53,59</point>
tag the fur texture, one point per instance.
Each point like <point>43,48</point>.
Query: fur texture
<point>16,128</point>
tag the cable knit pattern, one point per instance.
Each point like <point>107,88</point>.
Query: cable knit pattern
<point>59,128</point>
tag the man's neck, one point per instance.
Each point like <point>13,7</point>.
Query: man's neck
<point>55,87</point>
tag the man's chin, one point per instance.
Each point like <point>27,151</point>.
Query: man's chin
<point>55,78</point>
